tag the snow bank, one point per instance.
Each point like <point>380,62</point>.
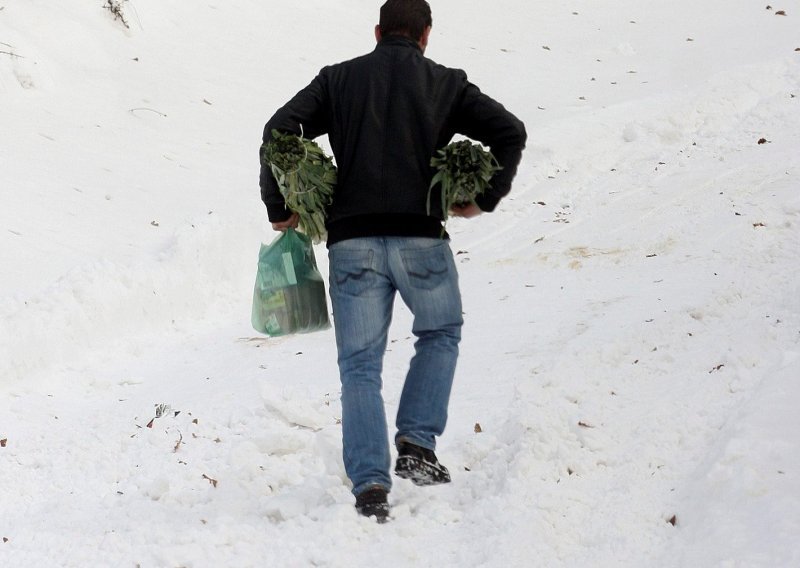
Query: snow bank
<point>629,374</point>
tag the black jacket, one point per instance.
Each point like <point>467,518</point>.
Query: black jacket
<point>386,114</point>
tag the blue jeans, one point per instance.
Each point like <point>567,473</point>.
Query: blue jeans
<point>365,274</point>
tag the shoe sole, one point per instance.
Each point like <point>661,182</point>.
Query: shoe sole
<point>420,472</point>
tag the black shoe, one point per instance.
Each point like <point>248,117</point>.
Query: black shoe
<point>419,465</point>
<point>373,503</point>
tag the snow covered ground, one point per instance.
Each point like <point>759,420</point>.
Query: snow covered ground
<point>632,338</point>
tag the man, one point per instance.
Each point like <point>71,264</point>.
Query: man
<point>386,114</point>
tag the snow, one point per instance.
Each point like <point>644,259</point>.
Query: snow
<point>632,342</point>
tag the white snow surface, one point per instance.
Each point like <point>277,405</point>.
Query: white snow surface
<point>631,350</point>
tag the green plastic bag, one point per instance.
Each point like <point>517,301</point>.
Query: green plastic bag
<point>289,294</point>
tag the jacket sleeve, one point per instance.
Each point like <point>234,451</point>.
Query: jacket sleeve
<point>305,114</point>
<point>481,118</point>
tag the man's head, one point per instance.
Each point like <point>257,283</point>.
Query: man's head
<point>409,18</point>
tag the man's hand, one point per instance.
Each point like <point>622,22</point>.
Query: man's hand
<point>467,211</point>
<point>290,223</point>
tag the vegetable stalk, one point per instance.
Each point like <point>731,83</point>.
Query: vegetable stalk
<point>306,178</point>
<point>464,171</point>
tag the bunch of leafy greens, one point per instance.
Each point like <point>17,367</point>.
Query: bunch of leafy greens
<point>306,178</point>
<point>464,171</point>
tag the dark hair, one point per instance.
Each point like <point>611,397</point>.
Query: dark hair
<point>405,17</point>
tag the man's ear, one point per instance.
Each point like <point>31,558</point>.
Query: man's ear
<point>423,40</point>
<point>378,34</point>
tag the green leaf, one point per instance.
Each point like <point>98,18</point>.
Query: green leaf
<point>306,178</point>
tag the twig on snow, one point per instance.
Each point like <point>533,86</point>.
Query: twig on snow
<point>115,7</point>
<point>133,111</point>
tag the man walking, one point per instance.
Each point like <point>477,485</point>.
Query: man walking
<point>386,114</point>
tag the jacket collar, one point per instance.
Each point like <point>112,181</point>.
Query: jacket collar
<point>398,40</point>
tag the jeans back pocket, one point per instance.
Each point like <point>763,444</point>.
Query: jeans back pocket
<point>426,268</point>
<point>352,271</point>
